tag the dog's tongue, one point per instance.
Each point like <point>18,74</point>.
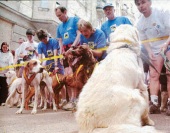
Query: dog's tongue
<point>75,61</point>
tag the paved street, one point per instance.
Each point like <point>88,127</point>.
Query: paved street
<point>43,122</point>
<point>53,122</point>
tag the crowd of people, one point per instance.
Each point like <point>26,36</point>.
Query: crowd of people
<point>74,31</point>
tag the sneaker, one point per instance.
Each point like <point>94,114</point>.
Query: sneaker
<point>168,108</point>
<point>69,106</point>
<point>75,108</point>
<point>63,103</point>
<point>154,109</point>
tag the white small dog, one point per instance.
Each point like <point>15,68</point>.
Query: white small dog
<point>33,75</point>
<point>115,98</point>
<point>14,83</point>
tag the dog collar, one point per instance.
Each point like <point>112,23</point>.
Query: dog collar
<point>57,78</point>
<point>12,82</point>
<point>78,70</point>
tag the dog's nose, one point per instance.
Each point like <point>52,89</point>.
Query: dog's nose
<point>41,69</point>
<point>73,52</point>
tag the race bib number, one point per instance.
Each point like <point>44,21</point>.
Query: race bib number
<point>66,35</point>
<point>30,53</point>
<point>91,45</point>
<point>113,28</point>
<point>49,53</point>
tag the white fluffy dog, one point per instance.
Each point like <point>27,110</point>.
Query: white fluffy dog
<point>14,83</point>
<point>115,98</point>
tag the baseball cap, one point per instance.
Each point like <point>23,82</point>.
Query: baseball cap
<point>107,5</point>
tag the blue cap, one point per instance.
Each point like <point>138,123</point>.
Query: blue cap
<point>107,5</point>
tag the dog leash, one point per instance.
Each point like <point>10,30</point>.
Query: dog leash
<point>19,92</point>
<point>147,60</point>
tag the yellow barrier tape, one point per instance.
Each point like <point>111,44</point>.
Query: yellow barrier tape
<point>51,58</point>
<point>155,39</point>
<point>23,64</point>
<point>13,66</point>
<point>144,41</point>
<point>100,49</point>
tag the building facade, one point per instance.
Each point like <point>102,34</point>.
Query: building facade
<point>17,16</point>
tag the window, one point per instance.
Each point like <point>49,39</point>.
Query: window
<point>43,5</point>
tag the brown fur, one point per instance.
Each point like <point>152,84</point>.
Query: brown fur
<point>79,77</point>
<point>57,86</point>
<point>32,68</point>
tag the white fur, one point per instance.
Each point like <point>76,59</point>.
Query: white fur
<point>115,98</point>
<point>14,84</point>
<point>44,76</point>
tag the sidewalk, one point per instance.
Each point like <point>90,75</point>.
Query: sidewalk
<point>54,122</point>
<point>43,122</point>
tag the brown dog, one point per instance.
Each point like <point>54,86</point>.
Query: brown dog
<point>58,81</point>
<point>32,76</point>
<point>82,68</point>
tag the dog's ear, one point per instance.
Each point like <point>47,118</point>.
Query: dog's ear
<point>28,64</point>
<point>35,63</point>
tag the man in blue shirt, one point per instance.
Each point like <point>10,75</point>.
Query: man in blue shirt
<point>110,26</point>
<point>67,31</point>
<point>112,22</point>
<point>68,35</point>
<point>95,38</point>
<point>49,47</point>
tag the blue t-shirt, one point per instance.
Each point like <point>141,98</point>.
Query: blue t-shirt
<point>48,49</point>
<point>67,30</point>
<point>96,40</point>
<point>110,25</point>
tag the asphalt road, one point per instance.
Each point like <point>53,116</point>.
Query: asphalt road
<point>54,122</point>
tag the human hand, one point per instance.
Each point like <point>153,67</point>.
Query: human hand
<point>36,53</point>
<point>164,46</point>
<point>151,55</point>
<point>61,61</point>
<point>55,70</point>
<point>84,43</point>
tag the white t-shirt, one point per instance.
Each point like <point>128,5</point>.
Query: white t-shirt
<point>6,59</point>
<point>156,25</point>
<point>24,45</point>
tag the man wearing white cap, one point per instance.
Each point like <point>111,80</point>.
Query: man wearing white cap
<point>113,21</point>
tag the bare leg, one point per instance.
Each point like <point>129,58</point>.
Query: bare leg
<point>154,76</point>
